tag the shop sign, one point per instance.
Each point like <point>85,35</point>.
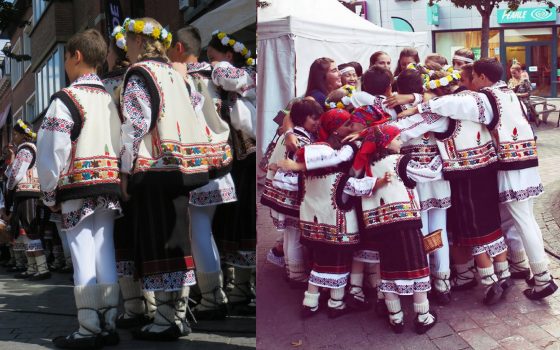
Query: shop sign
<point>433,14</point>
<point>476,51</point>
<point>113,15</point>
<point>526,15</point>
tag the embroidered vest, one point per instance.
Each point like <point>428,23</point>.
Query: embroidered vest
<point>512,133</point>
<point>422,149</point>
<point>93,169</point>
<point>395,205</point>
<point>280,200</point>
<point>174,151</point>
<point>324,216</point>
<point>29,186</point>
<point>465,148</point>
<point>220,156</point>
<point>112,80</point>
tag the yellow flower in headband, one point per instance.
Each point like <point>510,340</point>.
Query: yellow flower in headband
<point>231,42</point>
<point>250,61</point>
<point>221,35</point>
<point>156,33</point>
<point>138,26</point>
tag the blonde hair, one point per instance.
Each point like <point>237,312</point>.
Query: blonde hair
<point>152,48</point>
<point>516,66</point>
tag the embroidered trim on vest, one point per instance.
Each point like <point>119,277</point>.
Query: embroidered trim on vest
<point>495,110</point>
<point>283,201</point>
<point>402,163</point>
<point>447,133</point>
<point>29,186</point>
<point>421,153</point>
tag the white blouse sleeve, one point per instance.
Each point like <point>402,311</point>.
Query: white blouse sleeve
<point>53,148</point>
<point>360,187</point>
<point>137,114</point>
<point>323,156</point>
<point>285,180</point>
<point>425,173</point>
<point>462,106</point>
<point>233,79</point>
<point>415,125</point>
<point>18,168</point>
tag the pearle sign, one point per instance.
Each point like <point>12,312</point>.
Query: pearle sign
<point>528,14</point>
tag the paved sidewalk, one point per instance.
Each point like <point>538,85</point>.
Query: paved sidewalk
<point>32,313</point>
<point>516,323</point>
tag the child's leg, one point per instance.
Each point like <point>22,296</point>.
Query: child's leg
<point>463,264</point>
<point>82,249</point>
<point>357,298</point>
<point>488,278</point>
<point>105,263</point>
<point>396,315</point>
<point>425,319</point>
<point>310,300</point>
<point>294,255</point>
<point>519,264</point>
<point>336,302</point>
<point>440,268</point>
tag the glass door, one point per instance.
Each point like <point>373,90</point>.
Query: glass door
<point>537,60</point>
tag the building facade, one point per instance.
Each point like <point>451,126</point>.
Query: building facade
<point>528,35</point>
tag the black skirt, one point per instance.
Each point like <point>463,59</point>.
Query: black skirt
<point>24,217</point>
<point>160,222</point>
<point>234,224</point>
<point>124,235</point>
<point>402,255</point>
<point>474,215</point>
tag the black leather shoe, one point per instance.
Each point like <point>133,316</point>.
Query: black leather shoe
<point>465,286</point>
<point>521,275</point>
<point>493,294</point>
<point>169,334</point>
<point>441,298</point>
<point>110,338</point>
<point>127,323</point>
<point>506,284</point>
<point>543,293</point>
<point>40,276</point>
<point>307,312</point>
<point>72,342</point>
<point>217,313</point>
<point>356,302</point>
<point>421,327</point>
<point>337,312</point>
<point>23,275</point>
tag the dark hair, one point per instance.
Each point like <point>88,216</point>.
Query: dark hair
<point>345,65</point>
<point>317,79</point>
<point>406,52</point>
<point>375,56</point>
<point>303,108</point>
<point>91,44</point>
<point>490,67</point>
<point>357,67</point>
<point>410,82</point>
<point>376,80</point>
<point>437,58</point>
<point>189,36</point>
<point>443,90</point>
<point>216,44</point>
<point>466,70</point>
<point>464,52</point>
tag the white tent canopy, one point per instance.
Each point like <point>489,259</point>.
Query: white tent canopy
<point>230,17</point>
<point>291,34</point>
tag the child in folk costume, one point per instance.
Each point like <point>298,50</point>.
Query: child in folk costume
<point>434,196</point>
<point>139,306</point>
<point>328,223</point>
<point>78,147</point>
<point>235,223</point>
<point>221,189</point>
<point>284,203</point>
<point>163,157</point>
<point>23,186</point>
<point>348,75</point>
<point>391,218</point>
<point>470,166</point>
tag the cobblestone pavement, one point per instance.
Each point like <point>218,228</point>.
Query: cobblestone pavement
<point>516,323</point>
<point>32,313</point>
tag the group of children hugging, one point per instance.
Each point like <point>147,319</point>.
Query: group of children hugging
<point>140,170</point>
<point>371,172</point>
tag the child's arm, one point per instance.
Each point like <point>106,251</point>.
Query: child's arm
<point>425,173</point>
<point>233,79</point>
<point>137,114</point>
<point>53,149</point>
<point>365,186</point>
<point>18,168</point>
<point>285,180</point>
<point>463,106</point>
<point>415,126</point>
<point>317,156</point>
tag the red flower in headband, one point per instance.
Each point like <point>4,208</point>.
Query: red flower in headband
<point>331,121</point>
<point>370,116</point>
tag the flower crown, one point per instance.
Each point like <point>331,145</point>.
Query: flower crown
<point>120,39</point>
<point>345,100</point>
<point>148,29</point>
<point>436,83</point>
<point>26,129</point>
<point>430,84</point>
<point>237,46</point>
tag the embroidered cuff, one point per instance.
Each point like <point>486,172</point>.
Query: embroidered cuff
<point>49,198</point>
<point>424,107</point>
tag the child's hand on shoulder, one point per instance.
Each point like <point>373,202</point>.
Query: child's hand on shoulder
<point>407,113</point>
<point>385,180</point>
<point>290,165</point>
<point>352,137</point>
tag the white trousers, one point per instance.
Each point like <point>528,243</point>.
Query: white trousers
<point>293,249</point>
<point>205,252</point>
<point>521,229</point>
<point>93,250</point>
<point>63,239</point>
<point>435,219</point>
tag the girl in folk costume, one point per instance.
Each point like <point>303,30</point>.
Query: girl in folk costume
<point>139,306</point>
<point>391,218</point>
<point>221,189</point>
<point>470,165</point>
<point>23,186</point>
<point>235,223</point>
<point>163,157</point>
<point>328,223</point>
<point>78,147</point>
<point>283,202</point>
<point>434,196</point>
<point>348,75</point>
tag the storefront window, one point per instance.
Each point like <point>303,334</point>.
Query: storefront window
<point>526,35</point>
<point>448,42</point>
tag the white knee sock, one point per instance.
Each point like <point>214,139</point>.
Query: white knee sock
<point>396,315</point>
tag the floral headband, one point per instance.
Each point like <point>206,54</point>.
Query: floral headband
<point>436,83</point>
<point>120,39</point>
<point>430,84</point>
<point>26,129</point>
<point>148,29</point>
<point>345,100</point>
<point>237,46</point>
